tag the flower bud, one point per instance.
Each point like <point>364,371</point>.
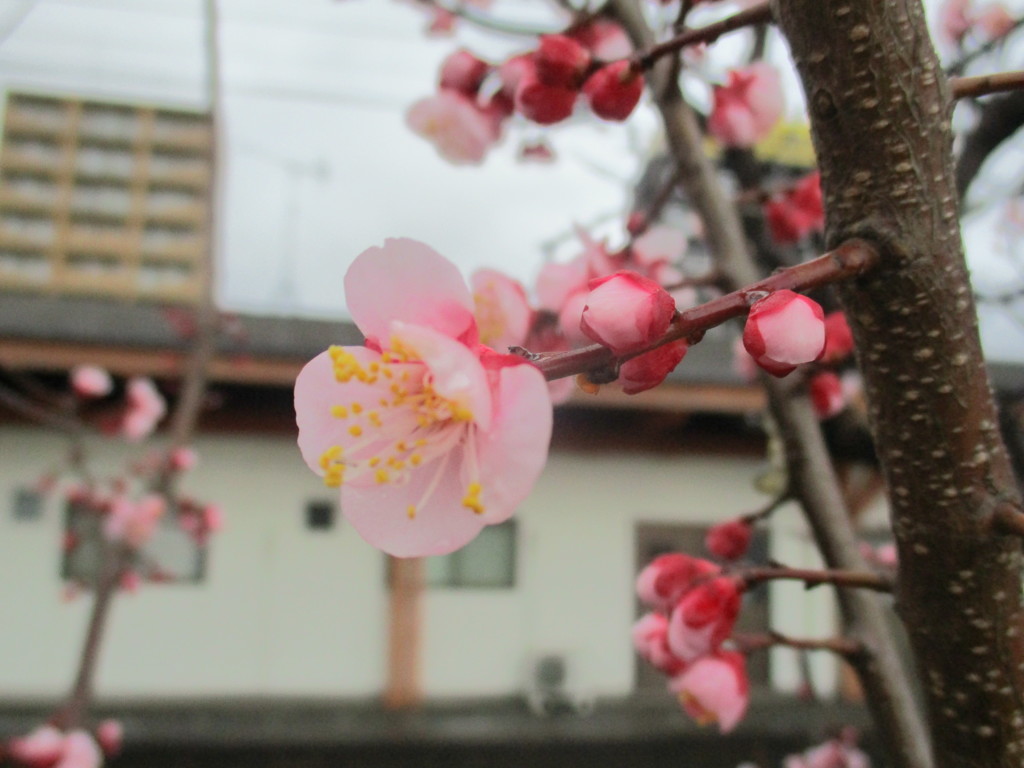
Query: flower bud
<point>729,540</point>
<point>626,312</point>
<point>648,370</point>
<point>664,580</point>
<point>838,338</point>
<point>826,391</point>
<point>703,618</point>
<point>783,331</point>
<point>614,90</point>
<point>561,61</point>
<point>544,104</point>
<point>463,72</point>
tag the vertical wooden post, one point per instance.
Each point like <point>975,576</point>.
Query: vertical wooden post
<point>404,633</point>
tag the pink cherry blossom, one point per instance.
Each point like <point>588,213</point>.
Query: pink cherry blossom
<point>110,735</point>
<point>650,639</point>
<point>746,109</point>
<point>714,688</point>
<point>503,314</point>
<point>91,381</point>
<point>838,338</point>
<point>133,523</point>
<point>659,244</point>
<point>80,751</point>
<point>557,282</point>
<point>955,20</point>
<point>463,72</point>
<point>569,319</point>
<point>626,312</point>
<point>614,90</point>
<point>729,540</point>
<point>429,435</point>
<point>648,370</point>
<point>561,61</point>
<point>995,21</point>
<point>183,459</point>
<point>461,132</point>
<point>542,103</point>
<point>39,748</point>
<point>605,39</point>
<point>703,618</point>
<point>784,330</point>
<point>826,392</point>
<point>667,577</point>
<point>797,212</point>
<point>144,408</point>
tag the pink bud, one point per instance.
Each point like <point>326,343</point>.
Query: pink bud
<point>826,391</point>
<point>463,72</point>
<point>110,734</point>
<point>636,223</point>
<point>729,540</point>
<point>605,39</point>
<point>797,212</point>
<point>614,90</point>
<point>80,751</point>
<point>626,312</point>
<point>544,104</point>
<point>747,108</point>
<point>664,580</point>
<point>183,459</point>
<point>838,338</point>
<point>561,61</point>
<point>648,370</point>
<point>42,747</point>
<point>130,582</point>
<point>783,331</point>
<point>703,618</point>
<point>995,21</point>
<point>91,381</point>
<point>213,518</point>
<point>650,639</point>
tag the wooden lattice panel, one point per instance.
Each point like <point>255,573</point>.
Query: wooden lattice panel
<point>103,199</point>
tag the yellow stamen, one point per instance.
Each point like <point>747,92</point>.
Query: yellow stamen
<point>339,411</point>
<point>355,430</point>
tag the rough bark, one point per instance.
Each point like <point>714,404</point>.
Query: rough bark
<point>880,108</point>
<point>896,716</point>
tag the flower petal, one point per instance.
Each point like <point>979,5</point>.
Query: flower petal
<point>512,453</point>
<point>408,281</point>
<point>441,524</point>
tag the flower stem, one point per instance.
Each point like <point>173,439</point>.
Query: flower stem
<point>972,87</point>
<point>814,578</point>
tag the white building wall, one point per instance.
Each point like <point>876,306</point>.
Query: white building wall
<point>293,612</point>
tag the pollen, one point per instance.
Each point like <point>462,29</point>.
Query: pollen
<point>339,411</point>
<point>357,408</point>
<point>382,476</point>
<point>472,499</point>
<point>411,511</point>
<point>355,430</point>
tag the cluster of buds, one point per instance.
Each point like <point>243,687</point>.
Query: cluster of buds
<point>838,752</point>
<point>612,297</point>
<point>694,608</point>
<point>50,747</point>
<point>475,98</point>
<point>143,406</point>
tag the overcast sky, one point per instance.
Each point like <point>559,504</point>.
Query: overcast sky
<point>319,164</point>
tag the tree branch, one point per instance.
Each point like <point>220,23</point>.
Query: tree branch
<point>845,262</point>
<point>876,582</point>
<point>841,646</point>
<point>972,87</point>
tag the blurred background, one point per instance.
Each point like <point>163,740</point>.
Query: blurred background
<point>156,153</point>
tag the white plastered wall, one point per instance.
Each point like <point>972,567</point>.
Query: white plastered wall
<point>285,611</point>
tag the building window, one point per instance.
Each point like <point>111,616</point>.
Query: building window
<point>28,504</point>
<point>172,555</point>
<point>319,515</point>
<point>487,562</point>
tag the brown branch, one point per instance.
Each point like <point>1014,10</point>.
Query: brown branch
<point>814,578</point>
<point>982,85</point>
<point>883,676</point>
<point>847,261</point>
<point>758,14</point>
<point>37,413</point>
<point>841,646</point>
<point>768,509</point>
<point>1009,519</point>
<point>961,64</point>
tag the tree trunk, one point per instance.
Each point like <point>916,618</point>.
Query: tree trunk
<point>880,107</point>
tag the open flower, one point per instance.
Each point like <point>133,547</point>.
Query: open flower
<point>714,689</point>
<point>461,132</point>
<point>747,108</point>
<point>429,435</point>
<point>133,522</point>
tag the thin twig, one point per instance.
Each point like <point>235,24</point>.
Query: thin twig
<point>842,646</point>
<point>960,65</point>
<point>758,14</point>
<point>982,85</point>
<point>876,582</point>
